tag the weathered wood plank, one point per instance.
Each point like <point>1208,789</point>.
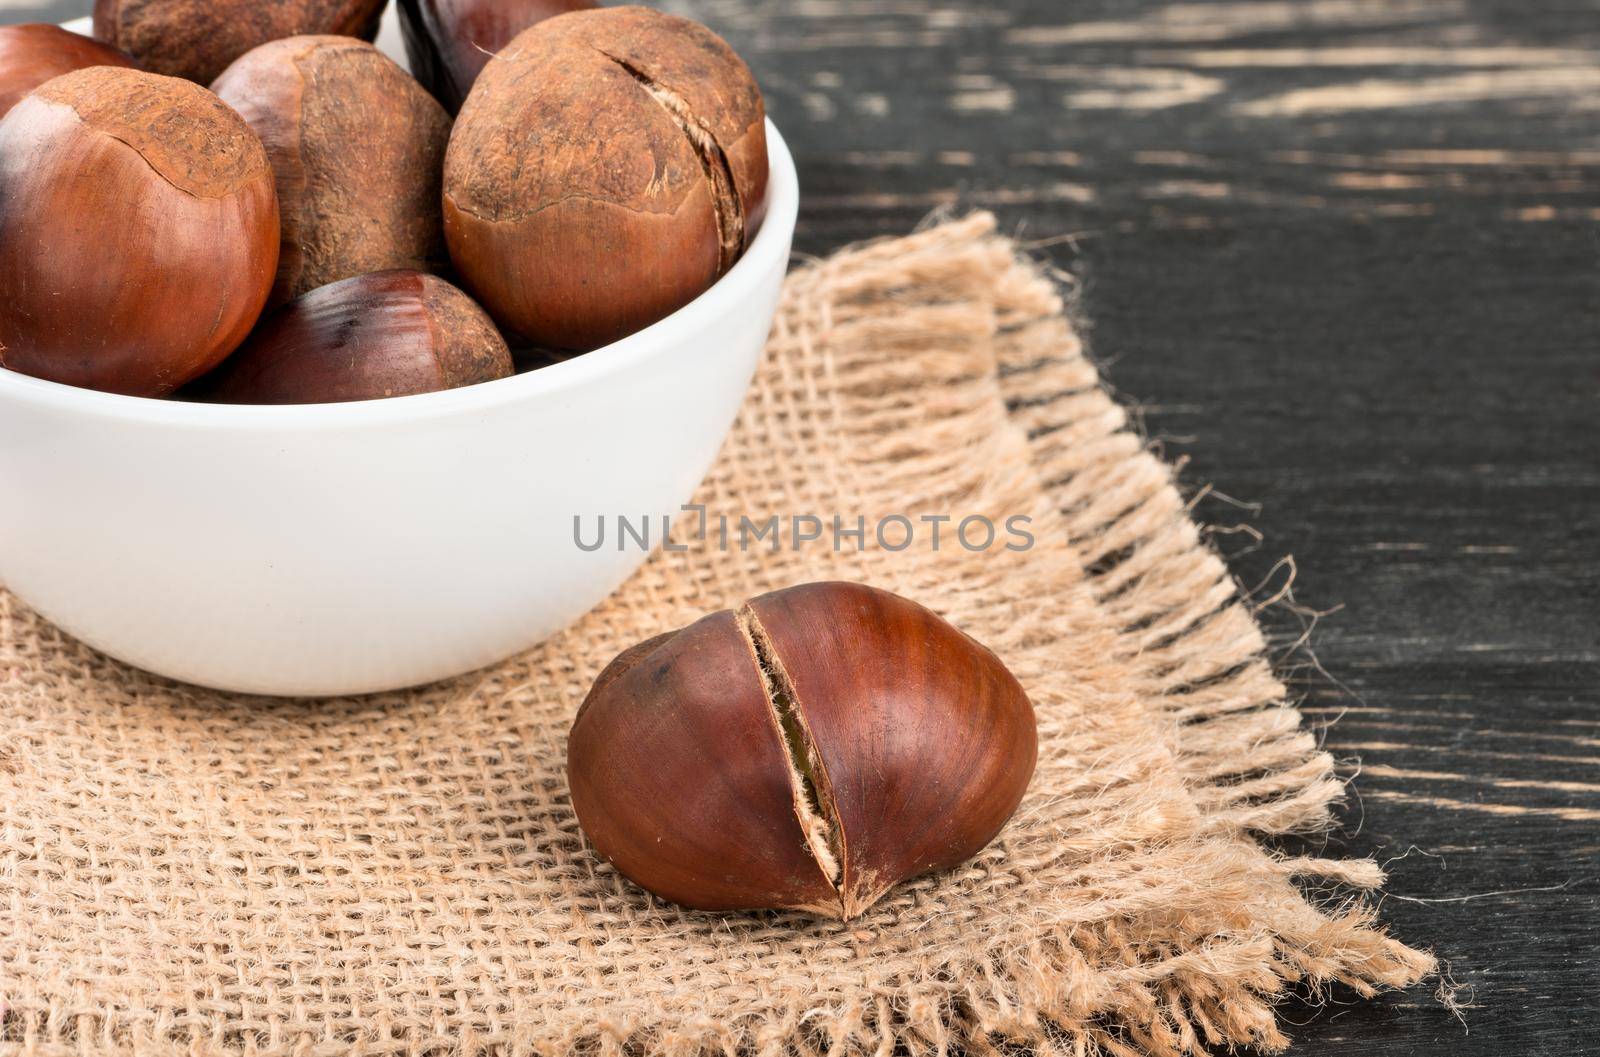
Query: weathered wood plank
<point>1345,253</point>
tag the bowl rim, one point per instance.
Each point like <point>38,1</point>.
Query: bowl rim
<point>768,250</point>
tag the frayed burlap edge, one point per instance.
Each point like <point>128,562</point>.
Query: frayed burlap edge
<point>1191,640</point>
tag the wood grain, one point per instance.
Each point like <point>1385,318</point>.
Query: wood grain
<point>1344,253</point>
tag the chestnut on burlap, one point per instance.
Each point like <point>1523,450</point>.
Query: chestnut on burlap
<point>186,872</point>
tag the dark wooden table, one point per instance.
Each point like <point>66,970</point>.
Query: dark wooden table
<point>1345,255</point>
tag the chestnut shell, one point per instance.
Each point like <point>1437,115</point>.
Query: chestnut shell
<point>449,42</point>
<point>393,333</point>
<point>607,168</point>
<point>809,751</point>
<point>197,39</point>
<point>138,231</point>
<point>33,53</point>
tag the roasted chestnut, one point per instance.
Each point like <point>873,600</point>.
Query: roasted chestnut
<point>385,334</point>
<point>138,231</point>
<point>197,39</point>
<point>809,751</point>
<point>31,54</point>
<point>449,41</point>
<point>607,167</point>
<point>356,147</point>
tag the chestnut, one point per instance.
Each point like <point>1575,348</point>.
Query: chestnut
<point>138,231</point>
<point>197,39</point>
<point>356,147</point>
<point>607,168</point>
<point>809,751</point>
<point>450,41</point>
<point>31,54</point>
<point>385,334</point>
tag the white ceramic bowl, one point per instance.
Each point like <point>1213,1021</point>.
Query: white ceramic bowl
<point>346,548</point>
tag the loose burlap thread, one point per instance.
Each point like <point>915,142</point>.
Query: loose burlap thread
<point>188,872</point>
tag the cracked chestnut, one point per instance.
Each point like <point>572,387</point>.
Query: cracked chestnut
<point>356,147</point>
<point>607,168</point>
<point>197,39</point>
<point>809,751</point>
<point>450,41</point>
<point>392,333</point>
<point>31,54</point>
<point>138,231</point>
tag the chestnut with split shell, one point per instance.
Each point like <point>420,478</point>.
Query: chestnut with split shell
<point>607,168</point>
<point>808,751</point>
<point>138,231</point>
<point>450,41</point>
<point>33,53</point>
<point>394,333</point>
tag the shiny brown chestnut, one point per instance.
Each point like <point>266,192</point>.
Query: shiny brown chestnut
<point>33,53</point>
<point>356,147</point>
<point>450,41</point>
<point>138,231</point>
<point>607,168</point>
<point>392,333</point>
<point>809,751</point>
<point>197,39</point>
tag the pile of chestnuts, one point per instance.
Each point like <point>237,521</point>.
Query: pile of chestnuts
<point>246,202</point>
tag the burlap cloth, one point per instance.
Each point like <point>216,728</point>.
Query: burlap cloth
<point>186,872</point>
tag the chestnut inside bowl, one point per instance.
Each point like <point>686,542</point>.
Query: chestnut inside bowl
<point>328,549</point>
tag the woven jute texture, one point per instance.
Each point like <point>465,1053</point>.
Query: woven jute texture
<point>187,872</point>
